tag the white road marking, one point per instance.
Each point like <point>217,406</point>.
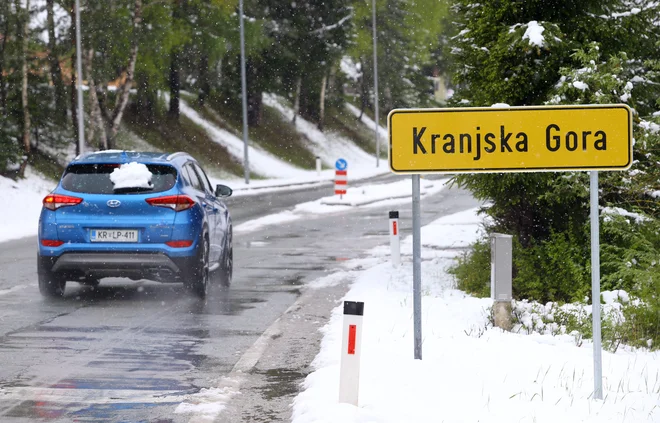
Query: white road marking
<point>209,403</point>
<point>89,396</point>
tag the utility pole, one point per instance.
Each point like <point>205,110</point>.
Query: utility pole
<point>373,3</point>
<point>81,124</point>
<point>246,163</point>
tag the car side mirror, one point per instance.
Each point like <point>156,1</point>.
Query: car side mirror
<point>222,191</point>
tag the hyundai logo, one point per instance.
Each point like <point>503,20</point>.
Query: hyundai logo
<point>113,203</point>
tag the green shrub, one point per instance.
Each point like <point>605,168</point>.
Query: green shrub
<point>472,271</point>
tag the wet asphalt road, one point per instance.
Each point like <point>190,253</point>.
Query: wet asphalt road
<point>133,351</point>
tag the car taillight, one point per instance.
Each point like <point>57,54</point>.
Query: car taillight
<point>51,242</point>
<point>55,201</point>
<point>179,244</point>
<point>174,202</point>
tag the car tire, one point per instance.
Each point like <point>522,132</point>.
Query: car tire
<point>197,281</point>
<point>226,270</point>
<point>51,285</point>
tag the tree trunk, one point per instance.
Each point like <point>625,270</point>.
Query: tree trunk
<point>296,99</point>
<point>322,102</point>
<point>175,77</point>
<point>364,92</point>
<point>175,86</point>
<point>387,93</point>
<point>204,80</point>
<point>3,88</point>
<point>254,94</point>
<point>124,90</point>
<point>96,121</point>
<point>25,28</point>
<point>55,70</point>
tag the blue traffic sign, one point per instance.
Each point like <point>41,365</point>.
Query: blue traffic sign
<point>341,164</point>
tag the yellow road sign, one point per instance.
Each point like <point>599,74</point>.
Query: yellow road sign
<point>511,139</point>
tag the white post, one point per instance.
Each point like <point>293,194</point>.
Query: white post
<point>349,371</point>
<point>318,166</point>
<point>395,245</point>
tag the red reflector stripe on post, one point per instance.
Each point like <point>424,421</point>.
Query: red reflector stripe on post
<point>352,329</point>
<point>341,172</point>
<point>394,227</point>
<point>340,191</point>
<point>338,182</point>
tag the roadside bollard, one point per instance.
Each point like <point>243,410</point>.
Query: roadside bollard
<point>501,262</point>
<point>349,371</point>
<point>395,246</point>
<point>341,182</point>
<point>318,166</point>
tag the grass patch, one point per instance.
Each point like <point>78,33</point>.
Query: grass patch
<point>346,124</point>
<point>183,135</point>
<point>274,135</point>
<point>46,165</point>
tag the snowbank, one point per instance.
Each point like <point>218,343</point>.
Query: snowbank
<point>470,372</point>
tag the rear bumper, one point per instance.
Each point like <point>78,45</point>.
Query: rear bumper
<point>155,266</point>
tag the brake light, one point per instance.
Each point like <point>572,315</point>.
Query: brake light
<point>175,202</point>
<point>55,201</point>
<point>179,244</point>
<point>51,242</point>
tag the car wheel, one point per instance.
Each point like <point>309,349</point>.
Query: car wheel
<point>51,285</point>
<point>198,279</point>
<point>227,265</point>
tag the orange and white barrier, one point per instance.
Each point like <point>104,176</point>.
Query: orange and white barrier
<point>341,182</point>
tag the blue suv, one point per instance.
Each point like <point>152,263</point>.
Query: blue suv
<point>137,215</point>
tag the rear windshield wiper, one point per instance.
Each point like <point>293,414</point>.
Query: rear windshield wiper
<point>128,190</point>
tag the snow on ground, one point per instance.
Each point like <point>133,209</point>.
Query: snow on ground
<point>326,145</point>
<point>366,195</point>
<point>470,372</point>
<point>260,161</point>
<point>382,132</point>
<point>26,195</point>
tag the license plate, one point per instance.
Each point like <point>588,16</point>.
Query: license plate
<point>113,235</point>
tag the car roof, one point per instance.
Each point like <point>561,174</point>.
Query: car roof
<point>122,156</point>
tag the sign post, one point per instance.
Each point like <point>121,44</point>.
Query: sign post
<point>513,139</point>
<point>341,177</point>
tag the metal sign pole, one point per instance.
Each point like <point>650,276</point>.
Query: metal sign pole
<point>417,267</point>
<point>246,163</point>
<point>81,124</point>
<point>595,285</point>
<point>373,3</point>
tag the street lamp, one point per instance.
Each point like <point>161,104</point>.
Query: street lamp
<point>246,163</point>
<point>81,125</point>
<point>373,3</point>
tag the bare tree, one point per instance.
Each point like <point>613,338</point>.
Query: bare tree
<point>296,99</point>
<point>124,91</point>
<point>4,13</point>
<point>322,101</point>
<point>96,121</point>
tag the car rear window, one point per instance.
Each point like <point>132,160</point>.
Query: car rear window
<point>95,179</point>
